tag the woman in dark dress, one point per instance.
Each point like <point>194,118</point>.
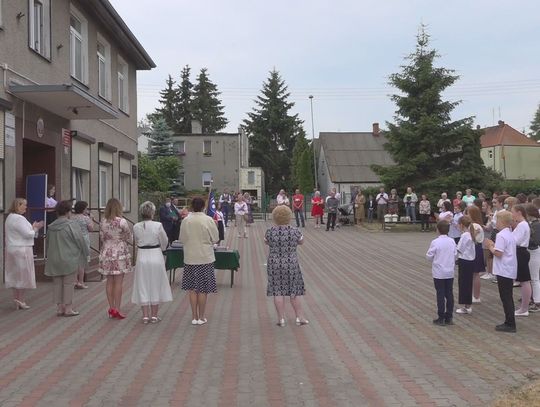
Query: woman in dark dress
<point>284,274</point>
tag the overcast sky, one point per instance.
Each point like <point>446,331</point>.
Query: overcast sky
<point>342,53</point>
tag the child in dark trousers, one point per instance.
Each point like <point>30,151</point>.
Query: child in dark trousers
<point>442,254</point>
<point>505,268</point>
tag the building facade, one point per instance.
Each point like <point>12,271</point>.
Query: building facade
<point>68,103</point>
<point>510,152</point>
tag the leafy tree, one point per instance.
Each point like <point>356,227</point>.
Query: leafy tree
<point>273,133</point>
<point>184,107</point>
<point>169,102</point>
<point>431,152</point>
<point>161,141</point>
<point>206,106</point>
<point>535,125</point>
<point>158,174</point>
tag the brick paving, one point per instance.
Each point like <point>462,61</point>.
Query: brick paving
<point>370,301</point>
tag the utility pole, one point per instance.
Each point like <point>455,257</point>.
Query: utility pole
<point>313,143</point>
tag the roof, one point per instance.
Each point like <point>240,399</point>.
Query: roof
<point>349,156</point>
<point>110,19</point>
<point>503,134</point>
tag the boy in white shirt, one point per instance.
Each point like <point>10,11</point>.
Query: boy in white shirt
<point>505,267</point>
<point>442,253</point>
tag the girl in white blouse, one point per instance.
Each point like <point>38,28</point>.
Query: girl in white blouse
<point>466,255</point>
<point>240,210</point>
<point>19,235</point>
<point>522,235</point>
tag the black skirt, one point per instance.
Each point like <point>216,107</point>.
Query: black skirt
<point>523,272</point>
<point>479,263</point>
<point>221,230</point>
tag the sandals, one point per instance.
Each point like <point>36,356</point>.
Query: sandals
<point>145,320</point>
<point>71,314</point>
<point>155,320</point>
<point>300,322</point>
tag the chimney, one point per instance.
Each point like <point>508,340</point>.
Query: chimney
<point>196,127</point>
<point>501,123</point>
<point>376,130</point>
<point>478,127</point>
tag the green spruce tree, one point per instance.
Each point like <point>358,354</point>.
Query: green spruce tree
<point>272,133</point>
<point>161,140</point>
<point>206,105</point>
<point>169,102</point>
<point>305,172</point>
<point>431,152</point>
<point>535,125</point>
<point>185,95</point>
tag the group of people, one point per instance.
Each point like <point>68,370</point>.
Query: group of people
<point>500,238</point>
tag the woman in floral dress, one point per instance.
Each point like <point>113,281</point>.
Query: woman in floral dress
<point>284,274</point>
<point>114,257</point>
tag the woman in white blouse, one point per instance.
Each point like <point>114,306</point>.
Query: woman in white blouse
<point>151,286</point>
<point>240,211</point>
<point>20,273</point>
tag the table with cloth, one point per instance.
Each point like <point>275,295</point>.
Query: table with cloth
<point>225,260</point>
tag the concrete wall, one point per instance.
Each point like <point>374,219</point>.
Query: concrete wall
<point>223,163</point>
<point>258,185</point>
<point>513,162</point>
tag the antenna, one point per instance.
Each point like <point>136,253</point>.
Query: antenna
<point>493,116</point>
<point>499,113</point>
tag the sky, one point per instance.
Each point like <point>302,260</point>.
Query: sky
<point>342,53</point>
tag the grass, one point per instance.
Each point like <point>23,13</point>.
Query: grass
<point>527,395</point>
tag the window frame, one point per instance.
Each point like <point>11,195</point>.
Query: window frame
<point>82,36</point>
<point>43,36</point>
<point>104,58</point>
<point>209,151</point>
<point>252,173</point>
<point>209,185</point>
<point>84,188</point>
<point>127,204</point>
<point>123,79</point>
<point>177,151</point>
<point>107,189</point>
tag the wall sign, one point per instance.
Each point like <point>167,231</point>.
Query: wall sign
<point>40,127</point>
<point>66,137</point>
<point>9,130</point>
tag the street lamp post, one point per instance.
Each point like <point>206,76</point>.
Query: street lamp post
<point>313,142</point>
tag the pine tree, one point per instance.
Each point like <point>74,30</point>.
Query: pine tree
<point>535,125</point>
<point>431,152</point>
<point>273,132</point>
<point>161,141</point>
<point>169,102</point>
<point>185,96</point>
<point>206,106</point>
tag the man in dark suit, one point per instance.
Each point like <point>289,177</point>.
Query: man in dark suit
<point>168,217</point>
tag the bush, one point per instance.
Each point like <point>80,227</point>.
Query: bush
<point>514,187</point>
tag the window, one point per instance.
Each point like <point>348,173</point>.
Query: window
<point>207,179</point>
<point>39,26</point>
<point>123,100</point>
<point>1,21</point>
<point>78,46</point>
<point>105,184</point>
<point>182,179</point>
<point>179,147</point>
<point>80,180</point>
<point>251,177</point>
<point>104,68</point>
<point>125,191</point>
<point>207,147</point>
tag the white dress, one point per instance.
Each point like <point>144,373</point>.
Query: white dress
<point>19,237</point>
<point>151,285</point>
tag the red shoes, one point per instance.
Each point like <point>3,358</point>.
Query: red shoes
<point>114,313</point>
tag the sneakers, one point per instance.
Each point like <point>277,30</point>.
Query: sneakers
<point>486,276</point>
<point>439,321</point>
<point>464,310</point>
<point>476,300</point>
<point>534,308</point>
<point>505,328</point>
<point>494,280</point>
<point>448,321</point>
<point>516,284</point>
<point>520,313</point>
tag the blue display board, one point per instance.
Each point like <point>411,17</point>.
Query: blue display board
<point>36,193</point>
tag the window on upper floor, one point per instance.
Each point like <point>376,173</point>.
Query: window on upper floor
<point>39,27</point>
<point>123,82</point>
<point>104,68</point>
<point>78,46</point>
<point>251,177</point>
<point>207,147</point>
<point>179,147</point>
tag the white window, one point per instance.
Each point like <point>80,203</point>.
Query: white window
<point>207,147</point>
<point>39,26</point>
<point>105,184</point>
<point>78,46</point>
<point>251,177</point>
<point>179,147</point>
<point>80,184</point>
<point>125,191</point>
<point>207,179</point>
<point>104,68</point>
<point>123,81</point>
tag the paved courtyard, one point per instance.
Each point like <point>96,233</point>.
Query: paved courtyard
<point>370,301</point>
